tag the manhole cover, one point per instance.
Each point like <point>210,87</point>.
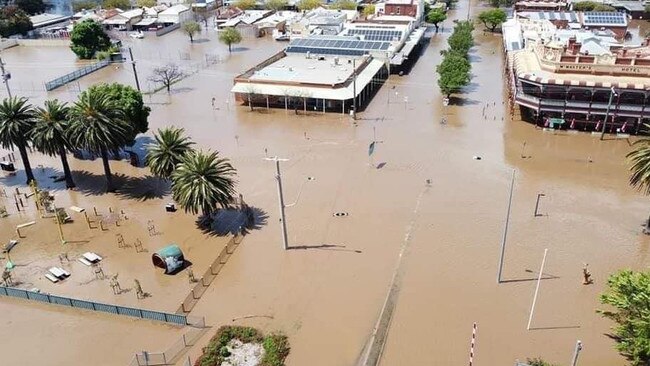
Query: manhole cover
<point>340,214</point>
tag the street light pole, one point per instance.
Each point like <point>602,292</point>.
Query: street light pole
<point>505,229</point>
<point>5,77</point>
<point>609,104</point>
<point>539,279</point>
<point>283,221</point>
<point>576,352</point>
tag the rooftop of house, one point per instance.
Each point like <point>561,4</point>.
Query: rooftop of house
<point>175,10</point>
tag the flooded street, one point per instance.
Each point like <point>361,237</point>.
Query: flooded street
<point>327,291</point>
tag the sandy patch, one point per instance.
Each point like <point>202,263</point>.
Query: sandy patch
<point>244,354</point>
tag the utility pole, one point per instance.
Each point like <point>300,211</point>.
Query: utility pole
<point>354,89</point>
<point>576,352</point>
<point>609,104</point>
<point>505,229</point>
<point>135,72</point>
<point>283,220</point>
<point>5,77</point>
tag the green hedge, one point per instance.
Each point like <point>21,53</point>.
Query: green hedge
<point>276,346</point>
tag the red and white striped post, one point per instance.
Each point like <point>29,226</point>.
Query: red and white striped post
<point>471,348</point>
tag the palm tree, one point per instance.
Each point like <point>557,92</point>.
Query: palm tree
<point>98,124</point>
<point>203,181</point>
<point>16,123</point>
<point>170,148</point>
<point>639,159</point>
<point>50,134</point>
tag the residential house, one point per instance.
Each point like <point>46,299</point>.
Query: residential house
<point>124,20</point>
<point>177,14</point>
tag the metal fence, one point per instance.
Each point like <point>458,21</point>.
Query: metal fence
<point>210,274</point>
<point>51,85</point>
<point>173,353</point>
<point>96,306</point>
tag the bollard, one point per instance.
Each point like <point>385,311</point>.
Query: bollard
<point>117,222</point>
<point>203,283</point>
<point>183,307</point>
<point>194,297</point>
<point>212,273</point>
<point>95,209</point>
<point>110,210</point>
<point>101,225</point>
<point>21,202</point>
<point>18,207</point>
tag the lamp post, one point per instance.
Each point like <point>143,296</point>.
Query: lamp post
<point>574,361</point>
<point>609,104</point>
<point>505,228</point>
<point>283,220</point>
<point>5,77</point>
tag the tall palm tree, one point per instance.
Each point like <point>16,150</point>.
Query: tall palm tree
<point>168,151</point>
<point>50,134</point>
<point>203,181</point>
<point>98,124</point>
<point>16,123</point>
<point>639,159</point>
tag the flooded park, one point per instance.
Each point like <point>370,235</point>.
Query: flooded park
<point>425,214</point>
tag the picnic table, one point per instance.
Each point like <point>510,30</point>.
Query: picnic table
<point>89,258</point>
<point>59,272</point>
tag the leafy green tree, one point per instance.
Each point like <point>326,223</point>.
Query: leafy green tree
<point>276,5</point>
<point>169,150</point>
<point>230,36</point>
<point>202,181</point>
<point>50,134</point>
<point>584,6</point>
<point>628,293</point>
<point>116,4</point>
<point>306,5</point>
<point>191,28</point>
<point>460,42</point>
<point>16,124</point>
<point>146,3</point>
<point>14,20</point>
<point>245,4</point>
<point>87,38</point>
<point>136,113</point>
<point>31,7</point>
<point>98,124</point>
<point>493,18</point>
<point>202,14</point>
<point>453,73</point>
<point>344,5</point>
<point>80,5</point>
<point>435,17</point>
<point>369,10</point>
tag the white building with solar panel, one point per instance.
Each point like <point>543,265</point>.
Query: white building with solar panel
<point>331,73</point>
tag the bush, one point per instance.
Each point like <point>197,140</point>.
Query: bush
<point>276,346</point>
<point>276,349</point>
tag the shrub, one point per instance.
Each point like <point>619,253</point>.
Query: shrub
<point>216,352</point>
<point>276,349</point>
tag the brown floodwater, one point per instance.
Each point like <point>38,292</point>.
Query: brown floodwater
<point>327,292</point>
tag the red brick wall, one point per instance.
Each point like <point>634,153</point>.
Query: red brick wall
<point>404,9</point>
